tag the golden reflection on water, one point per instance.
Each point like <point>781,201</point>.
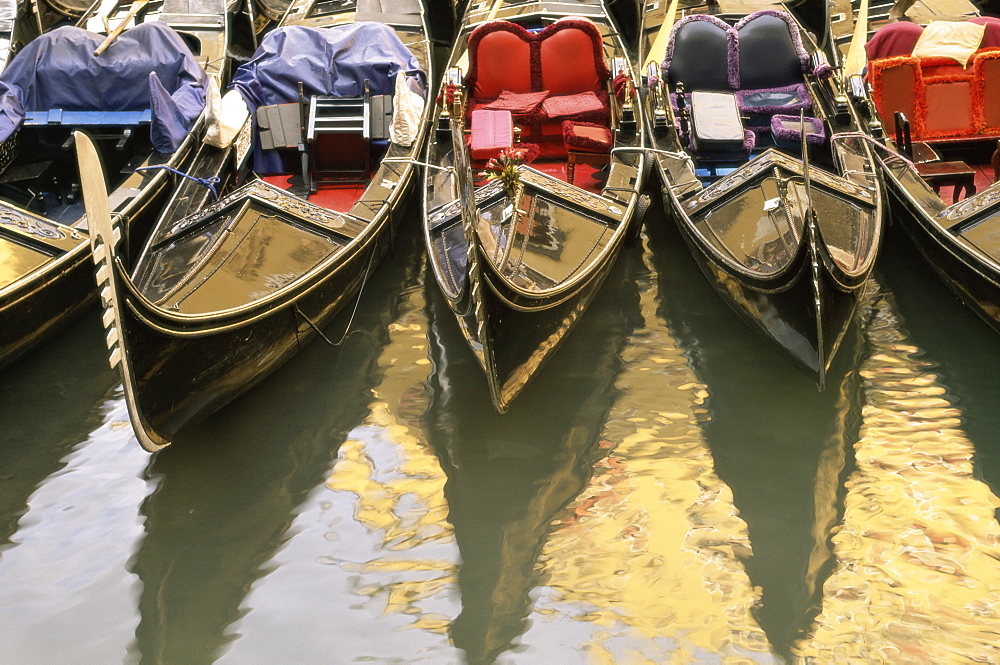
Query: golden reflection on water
<point>918,573</point>
<point>400,500</point>
<point>649,553</point>
<point>645,563</point>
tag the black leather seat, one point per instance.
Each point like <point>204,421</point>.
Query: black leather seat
<point>698,55</point>
<point>772,61</point>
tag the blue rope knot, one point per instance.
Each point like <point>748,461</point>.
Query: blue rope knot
<point>207,182</point>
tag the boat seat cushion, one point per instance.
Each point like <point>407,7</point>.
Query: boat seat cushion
<point>761,59</point>
<point>786,130</point>
<point>759,105</point>
<point>571,57</point>
<point>940,98</point>
<point>491,132</point>
<point>897,38</point>
<point>565,106</point>
<point>586,137</point>
<point>499,60</point>
<point>517,102</point>
<point>986,89</point>
<point>716,126</point>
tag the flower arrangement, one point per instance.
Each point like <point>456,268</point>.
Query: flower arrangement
<point>504,169</point>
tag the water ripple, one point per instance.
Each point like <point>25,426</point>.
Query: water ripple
<point>918,574</point>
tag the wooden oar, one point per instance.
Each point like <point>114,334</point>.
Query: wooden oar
<point>659,46</point>
<point>856,58</point>
<point>113,35</point>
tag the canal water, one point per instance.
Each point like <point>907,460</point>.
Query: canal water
<point>669,489</point>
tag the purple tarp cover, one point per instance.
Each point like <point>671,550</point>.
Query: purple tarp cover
<point>146,67</point>
<point>328,61</point>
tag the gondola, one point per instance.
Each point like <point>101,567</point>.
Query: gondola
<point>208,27</point>
<point>764,171</point>
<point>534,178</point>
<point>54,85</point>
<point>225,291</point>
<point>13,29</point>
<point>931,85</point>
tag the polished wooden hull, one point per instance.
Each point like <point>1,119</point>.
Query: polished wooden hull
<point>504,490</point>
<point>787,242</point>
<point>960,241</point>
<point>37,301</point>
<point>179,370</point>
<point>971,271</point>
<point>58,285</point>
<point>513,313</point>
<point>267,271</point>
<point>806,311</point>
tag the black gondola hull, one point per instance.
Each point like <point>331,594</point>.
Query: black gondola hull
<point>972,277</point>
<point>184,373</point>
<point>786,229</point>
<point>807,322</point>
<point>45,300</point>
<point>223,293</point>
<point>519,266</point>
<point>49,302</point>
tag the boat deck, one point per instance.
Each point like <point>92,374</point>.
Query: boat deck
<point>339,197</point>
<point>587,177</point>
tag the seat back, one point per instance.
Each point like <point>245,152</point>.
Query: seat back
<point>565,58</point>
<point>499,59</point>
<point>701,54</point>
<point>771,53</point>
<point>897,83</point>
<point>948,104</point>
<point>986,89</point>
<point>991,37</point>
<point>571,57</point>
<point>894,39</point>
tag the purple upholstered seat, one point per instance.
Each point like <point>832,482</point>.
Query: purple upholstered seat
<point>786,130</point>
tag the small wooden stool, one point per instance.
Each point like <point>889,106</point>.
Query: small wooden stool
<point>585,143</point>
<point>959,174</point>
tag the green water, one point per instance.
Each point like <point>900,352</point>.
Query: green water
<point>669,489</point>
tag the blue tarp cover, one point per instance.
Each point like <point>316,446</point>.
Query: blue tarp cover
<point>146,67</point>
<point>328,61</point>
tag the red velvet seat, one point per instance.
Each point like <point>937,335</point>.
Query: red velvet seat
<point>564,59</point>
<point>939,97</point>
<point>986,89</point>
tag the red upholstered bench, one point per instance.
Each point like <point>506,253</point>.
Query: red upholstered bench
<point>564,60</point>
<point>490,132</point>
<point>938,96</point>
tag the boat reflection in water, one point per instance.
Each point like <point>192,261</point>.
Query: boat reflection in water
<point>645,564</point>
<point>223,507</point>
<point>918,563</point>
<point>781,445</point>
<point>958,346</point>
<point>49,402</point>
<point>511,476</point>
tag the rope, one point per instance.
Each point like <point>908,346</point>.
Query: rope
<point>865,137</point>
<point>207,182</point>
<point>347,329</point>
